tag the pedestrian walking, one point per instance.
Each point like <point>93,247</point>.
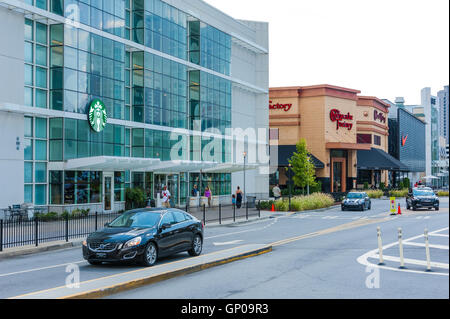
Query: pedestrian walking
<point>276,192</point>
<point>239,196</point>
<point>166,197</point>
<point>208,195</point>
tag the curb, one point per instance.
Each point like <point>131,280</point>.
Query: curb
<point>133,284</point>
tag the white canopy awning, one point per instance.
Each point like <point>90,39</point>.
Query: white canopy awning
<point>230,168</point>
<point>111,163</point>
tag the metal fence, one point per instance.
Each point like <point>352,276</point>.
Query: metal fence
<point>224,212</point>
<point>24,231</point>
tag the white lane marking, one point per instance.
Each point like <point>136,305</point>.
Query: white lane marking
<point>438,235</point>
<point>363,259</point>
<point>423,245</point>
<point>228,243</point>
<point>42,268</point>
<point>413,261</point>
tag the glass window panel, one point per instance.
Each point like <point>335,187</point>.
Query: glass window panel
<point>41,98</point>
<point>71,58</point>
<point>56,149</point>
<point>28,52</point>
<point>40,150</point>
<point>57,56</point>
<point>40,172</point>
<point>41,77</point>
<point>28,98</point>
<point>41,128</point>
<point>41,55</point>
<point>29,30</point>
<point>28,74</point>
<point>41,33</point>
<point>28,193</point>
<point>71,36</point>
<point>28,172</point>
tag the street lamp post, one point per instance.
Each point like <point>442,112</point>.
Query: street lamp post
<point>245,194</point>
<point>290,191</point>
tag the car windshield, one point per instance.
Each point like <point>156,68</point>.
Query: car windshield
<point>422,192</point>
<point>355,195</point>
<point>136,220</point>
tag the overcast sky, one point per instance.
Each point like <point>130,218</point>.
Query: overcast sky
<point>384,48</point>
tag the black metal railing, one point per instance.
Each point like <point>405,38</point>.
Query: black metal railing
<point>223,212</point>
<point>35,231</point>
<point>38,230</point>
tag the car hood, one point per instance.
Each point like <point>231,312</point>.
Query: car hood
<point>120,234</point>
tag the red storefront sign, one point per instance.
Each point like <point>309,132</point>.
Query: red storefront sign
<point>379,116</point>
<point>336,116</point>
<point>278,106</point>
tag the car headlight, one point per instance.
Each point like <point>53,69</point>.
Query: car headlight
<point>132,242</point>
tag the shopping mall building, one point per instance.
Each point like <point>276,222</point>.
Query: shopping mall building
<point>346,134</point>
<point>99,96</point>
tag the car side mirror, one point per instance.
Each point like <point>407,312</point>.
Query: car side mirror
<point>165,226</point>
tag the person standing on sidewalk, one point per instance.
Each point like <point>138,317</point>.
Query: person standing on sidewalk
<point>276,192</point>
<point>208,195</point>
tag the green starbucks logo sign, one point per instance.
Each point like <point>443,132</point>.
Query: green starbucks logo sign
<point>97,115</point>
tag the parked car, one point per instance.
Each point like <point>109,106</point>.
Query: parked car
<point>356,200</point>
<point>422,197</point>
<point>144,235</point>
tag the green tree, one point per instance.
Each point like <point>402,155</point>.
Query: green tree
<point>302,167</point>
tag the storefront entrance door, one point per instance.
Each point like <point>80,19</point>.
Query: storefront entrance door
<point>338,175</point>
<point>108,192</point>
<point>171,181</point>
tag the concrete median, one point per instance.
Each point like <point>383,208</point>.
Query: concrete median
<point>105,286</point>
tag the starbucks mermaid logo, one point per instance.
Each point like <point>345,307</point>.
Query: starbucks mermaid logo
<point>97,115</point>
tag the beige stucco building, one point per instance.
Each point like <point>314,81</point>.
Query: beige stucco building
<point>338,125</point>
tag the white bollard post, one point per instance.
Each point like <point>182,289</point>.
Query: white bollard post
<point>380,246</point>
<point>427,250</point>
<point>400,245</point>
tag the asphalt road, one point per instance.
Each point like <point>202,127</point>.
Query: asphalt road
<point>321,264</point>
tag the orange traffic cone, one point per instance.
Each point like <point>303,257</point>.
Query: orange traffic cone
<point>399,210</point>
<point>273,208</point>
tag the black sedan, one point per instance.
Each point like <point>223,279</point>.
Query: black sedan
<point>144,235</point>
<point>422,198</point>
<point>356,201</point>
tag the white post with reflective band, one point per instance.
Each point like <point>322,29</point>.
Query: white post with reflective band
<point>427,250</point>
<point>380,246</point>
<point>400,245</point>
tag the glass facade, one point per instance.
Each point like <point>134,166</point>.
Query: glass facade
<point>67,67</point>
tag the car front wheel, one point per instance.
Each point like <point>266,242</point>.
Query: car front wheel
<point>197,246</point>
<point>150,255</point>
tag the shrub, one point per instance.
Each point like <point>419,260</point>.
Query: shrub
<point>50,216</point>
<point>442,193</point>
<point>134,198</point>
<point>399,193</point>
<point>282,205</point>
<point>366,185</point>
<point>374,193</point>
<point>302,203</point>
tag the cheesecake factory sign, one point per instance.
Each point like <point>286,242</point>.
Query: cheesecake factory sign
<point>342,120</point>
<point>278,106</point>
